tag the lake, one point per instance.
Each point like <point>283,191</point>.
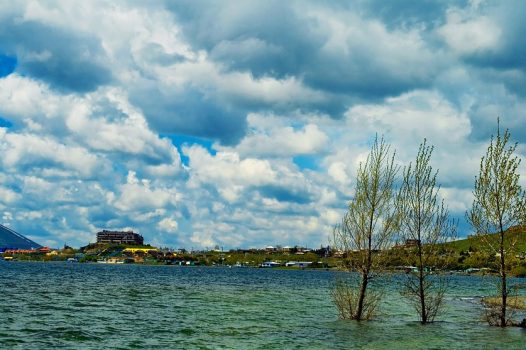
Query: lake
<point>94,306</point>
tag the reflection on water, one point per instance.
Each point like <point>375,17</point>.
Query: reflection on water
<point>90,306</point>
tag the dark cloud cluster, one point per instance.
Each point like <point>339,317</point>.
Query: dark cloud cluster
<point>276,39</point>
<point>67,60</point>
<point>190,112</point>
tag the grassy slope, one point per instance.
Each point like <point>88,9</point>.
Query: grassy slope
<point>477,242</point>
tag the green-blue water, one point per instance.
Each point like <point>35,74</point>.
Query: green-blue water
<point>94,306</point>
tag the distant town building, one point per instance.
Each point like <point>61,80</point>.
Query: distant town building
<point>119,237</point>
<point>45,250</point>
<point>141,250</point>
<point>412,242</point>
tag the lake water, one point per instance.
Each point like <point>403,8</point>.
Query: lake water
<point>94,306</point>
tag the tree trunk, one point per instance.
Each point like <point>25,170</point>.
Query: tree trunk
<point>363,289</point>
<point>423,314</point>
<point>366,270</point>
<point>503,282</point>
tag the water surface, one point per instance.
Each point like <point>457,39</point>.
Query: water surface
<point>94,306</point>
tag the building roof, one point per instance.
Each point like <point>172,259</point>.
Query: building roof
<point>14,240</point>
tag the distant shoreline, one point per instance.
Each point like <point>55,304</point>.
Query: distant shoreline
<point>227,267</point>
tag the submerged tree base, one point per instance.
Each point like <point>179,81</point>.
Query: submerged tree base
<point>493,310</point>
<point>346,295</point>
<point>428,300</point>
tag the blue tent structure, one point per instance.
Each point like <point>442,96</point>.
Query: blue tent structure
<point>10,239</point>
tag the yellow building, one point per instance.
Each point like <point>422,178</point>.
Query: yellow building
<point>144,250</point>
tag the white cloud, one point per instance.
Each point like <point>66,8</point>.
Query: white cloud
<point>22,98</point>
<point>168,225</point>
<point>30,150</point>
<point>139,195</point>
<point>8,196</point>
<point>458,200</point>
<point>226,168</point>
<point>279,140</point>
<point>467,33</point>
<point>104,121</point>
<point>413,117</point>
<point>337,171</point>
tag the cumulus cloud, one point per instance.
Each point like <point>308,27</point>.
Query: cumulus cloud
<point>268,137</point>
<point>416,115</point>
<point>29,151</point>
<point>168,225</point>
<point>8,196</point>
<point>136,195</point>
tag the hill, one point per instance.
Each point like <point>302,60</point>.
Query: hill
<point>475,242</point>
<point>10,239</point>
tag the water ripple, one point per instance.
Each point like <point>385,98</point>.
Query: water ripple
<point>72,306</point>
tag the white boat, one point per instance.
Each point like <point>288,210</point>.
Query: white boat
<point>270,264</point>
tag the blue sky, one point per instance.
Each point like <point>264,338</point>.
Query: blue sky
<point>241,123</point>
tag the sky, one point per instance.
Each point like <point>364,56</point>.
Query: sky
<point>242,123</point>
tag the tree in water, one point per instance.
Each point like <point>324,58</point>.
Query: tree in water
<point>424,225</point>
<point>366,229</point>
<point>498,205</point>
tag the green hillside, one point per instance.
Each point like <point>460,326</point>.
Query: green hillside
<point>515,236</point>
